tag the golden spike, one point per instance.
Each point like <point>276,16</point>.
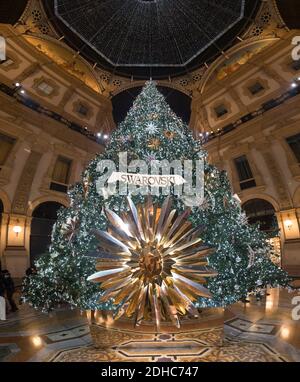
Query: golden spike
<point>170,307</point>
<point>133,303</point>
<point>141,306</point>
<point>178,302</point>
<point>109,265</point>
<point>107,274</point>
<point>135,217</point>
<point>192,232</point>
<point>115,282</point>
<point>126,291</point>
<point>192,285</point>
<point>169,241</point>
<point>204,253</point>
<point>144,226</point>
<point>178,222</point>
<point>109,242</point>
<point>188,304</point>
<point>117,222</point>
<point>147,208</point>
<point>197,271</point>
<point>108,294</point>
<point>185,291</point>
<point>165,211</point>
<point>193,262</point>
<point>180,248</point>
<point>166,225</point>
<point>156,297</point>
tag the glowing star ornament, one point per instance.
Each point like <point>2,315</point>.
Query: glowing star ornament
<point>151,128</point>
<point>152,263</point>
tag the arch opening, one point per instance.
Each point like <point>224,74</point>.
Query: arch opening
<point>43,218</point>
<point>260,211</point>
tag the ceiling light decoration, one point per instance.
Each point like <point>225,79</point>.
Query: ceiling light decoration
<point>151,33</point>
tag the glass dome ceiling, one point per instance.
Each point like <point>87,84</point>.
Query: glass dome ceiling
<point>165,35</point>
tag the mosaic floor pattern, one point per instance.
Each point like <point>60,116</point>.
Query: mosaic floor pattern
<point>262,331</point>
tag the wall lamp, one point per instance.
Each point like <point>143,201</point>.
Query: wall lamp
<point>17,229</point>
<point>289,224</point>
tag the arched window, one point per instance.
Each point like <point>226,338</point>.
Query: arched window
<point>43,219</point>
<point>262,212</point>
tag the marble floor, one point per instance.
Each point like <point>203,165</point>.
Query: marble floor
<point>262,331</point>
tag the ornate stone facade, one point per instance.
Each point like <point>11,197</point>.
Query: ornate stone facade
<point>259,131</point>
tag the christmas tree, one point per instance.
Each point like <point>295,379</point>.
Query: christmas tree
<point>154,134</point>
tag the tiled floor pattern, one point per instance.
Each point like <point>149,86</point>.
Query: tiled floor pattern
<point>262,331</point>
<point>231,351</point>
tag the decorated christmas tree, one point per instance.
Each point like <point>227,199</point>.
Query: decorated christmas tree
<point>150,138</point>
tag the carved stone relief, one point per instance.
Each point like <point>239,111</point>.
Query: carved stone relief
<point>20,202</point>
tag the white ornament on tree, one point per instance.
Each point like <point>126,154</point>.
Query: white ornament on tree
<point>251,257</point>
<point>151,128</point>
<point>243,219</point>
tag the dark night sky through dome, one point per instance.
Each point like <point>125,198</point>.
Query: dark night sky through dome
<point>179,102</point>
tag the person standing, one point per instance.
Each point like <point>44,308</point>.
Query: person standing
<point>9,289</point>
<point>2,299</point>
<point>2,286</point>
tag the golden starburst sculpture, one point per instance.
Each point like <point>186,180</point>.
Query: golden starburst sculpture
<point>154,265</point>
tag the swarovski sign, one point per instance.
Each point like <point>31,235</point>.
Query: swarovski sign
<point>146,180</point>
